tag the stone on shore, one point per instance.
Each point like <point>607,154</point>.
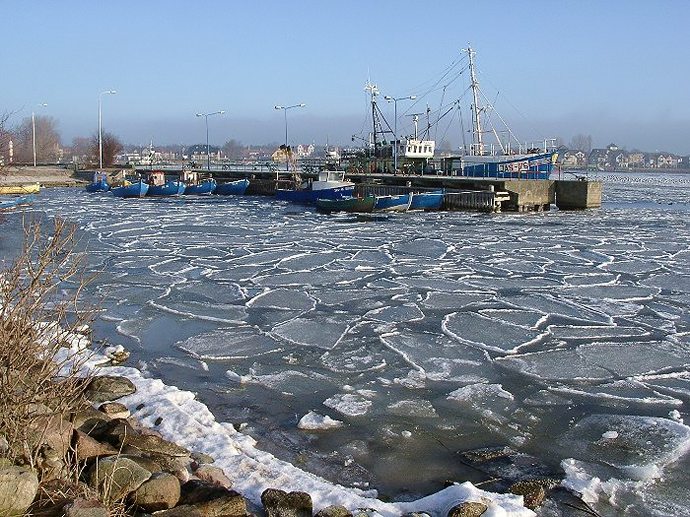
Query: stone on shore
<point>213,475</point>
<point>88,419</point>
<point>116,477</point>
<point>86,508</point>
<point>86,447</point>
<point>468,509</point>
<point>53,431</point>
<point>18,487</point>
<point>160,492</point>
<point>334,511</point>
<point>533,492</point>
<point>108,387</point>
<point>279,503</point>
<point>114,410</point>
<point>213,500</point>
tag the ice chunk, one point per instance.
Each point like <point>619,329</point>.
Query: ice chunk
<point>317,330</point>
<point>310,261</point>
<point>283,299</point>
<point>230,343</point>
<point>349,404</point>
<point>442,300</point>
<point>396,313</point>
<point>413,408</point>
<point>669,282</point>
<point>490,334</point>
<point>314,422</point>
<point>421,247</point>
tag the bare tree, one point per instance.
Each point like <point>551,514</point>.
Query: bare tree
<point>111,146</point>
<point>47,140</point>
<point>232,149</point>
<point>581,142</point>
<point>81,151</point>
<point>5,139</point>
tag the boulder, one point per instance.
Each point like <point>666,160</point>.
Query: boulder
<point>468,509</point>
<point>85,508</point>
<point>108,387</point>
<point>533,492</point>
<point>86,447</point>
<point>115,477</point>
<point>213,475</point>
<point>50,430</point>
<point>201,459</point>
<point>114,410</point>
<point>160,492</point>
<point>18,487</point>
<point>88,419</point>
<point>212,499</point>
<point>279,503</point>
<point>185,510</point>
<point>152,444</point>
<point>4,446</point>
<point>334,511</point>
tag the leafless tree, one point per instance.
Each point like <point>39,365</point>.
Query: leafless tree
<point>82,151</point>
<point>47,140</point>
<point>111,146</point>
<point>5,139</point>
<point>232,149</point>
<point>581,142</point>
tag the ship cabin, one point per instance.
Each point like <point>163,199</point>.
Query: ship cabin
<point>418,149</point>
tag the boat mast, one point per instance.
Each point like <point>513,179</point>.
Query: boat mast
<point>476,123</point>
<point>373,90</point>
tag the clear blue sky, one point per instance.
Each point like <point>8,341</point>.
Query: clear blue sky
<point>618,70</point>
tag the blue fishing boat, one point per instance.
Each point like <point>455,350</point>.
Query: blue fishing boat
<point>232,188</point>
<point>197,185</point>
<point>159,186</point>
<point>99,183</point>
<point>137,188</point>
<point>427,200</point>
<point>398,203</point>
<point>16,201</point>
<point>330,185</point>
<point>347,204</point>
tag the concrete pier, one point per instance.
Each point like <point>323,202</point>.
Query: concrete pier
<point>576,195</point>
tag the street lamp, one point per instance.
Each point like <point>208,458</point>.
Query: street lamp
<point>33,130</point>
<point>208,149</point>
<point>100,127</point>
<point>395,100</point>
<point>285,110</point>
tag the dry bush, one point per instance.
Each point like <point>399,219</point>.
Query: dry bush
<point>40,314</point>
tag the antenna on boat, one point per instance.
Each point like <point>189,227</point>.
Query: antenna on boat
<point>476,122</point>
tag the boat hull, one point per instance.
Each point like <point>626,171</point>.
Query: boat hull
<point>426,201</point>
<point>308,196</point>
<point>354,204</point>
<point>528,167</point>
<point>138,189</point>
<point>100,186</point>
<point>232,188</point>
<point>205,188</point>
<point>24,188</point>
<point>171,188</point>
<point>399,203</point>
<point>17,201</point>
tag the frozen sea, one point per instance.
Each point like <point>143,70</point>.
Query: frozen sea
<point>372,351</point>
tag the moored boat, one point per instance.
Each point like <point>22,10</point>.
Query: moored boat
<point>232,188</point>
<point>398,203</point>
<point>131,189</point>
<point>99,182</point>
<point>159,186</point>
<point>21,188</point>
<point>14,202</point>
<point>330,185</point>
<point>427,200</point>
<point>347,204</point>
<point>196,185</point>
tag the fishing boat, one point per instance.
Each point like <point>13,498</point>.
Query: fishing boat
<point>232,188</point>
<point>197,185</point>
<point>99,182</point>
<point>330,185</point>
<point>397,203</point>
<point>347,204</point>
<point>427,200</point>
<point>159,186</point>
<point>138,188</point>
<point>16,201</point>
<point>20,188</point>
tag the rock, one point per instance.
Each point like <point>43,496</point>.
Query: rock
<point>147,463</point>
<point>533,492</point>
<point>213,475</point>
<point>160,492</point>
<point>279,503</point>
<point>86,508</point>
<point>114,410</point>
<point>86,447</point>
<point>115,432</point>
<point>108,387</point>
<point>152,444</point>
<point>212,499</point>
<point>201,459</point>
<point>53,431</point>
<point>4,446</point>
<point>334,511</point>
<point>468,509</point>
<point>185,510</point>
<point>178,466</point>
<point>116,477</point>
<point>18,487</point>
<point>5,462</point>
<point>51,464</point>
<point>88,419</point>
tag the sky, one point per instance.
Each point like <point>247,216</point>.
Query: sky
<point>617,70</point>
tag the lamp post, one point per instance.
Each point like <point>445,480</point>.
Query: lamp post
<point>395,100</point>
<point>285,110</point>
<point>33,130</point>
<point>208,149</point>
<point>100,127</point>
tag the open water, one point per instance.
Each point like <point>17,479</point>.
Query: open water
<point>565,335</point>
